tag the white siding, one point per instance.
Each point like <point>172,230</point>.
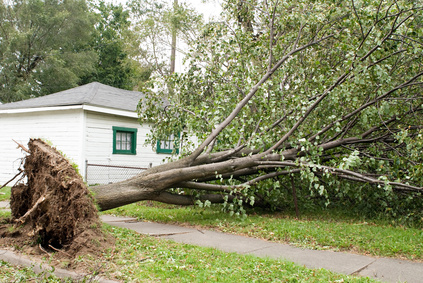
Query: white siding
<point>62,128</point>
<point>83,136</point>
<point>99,148</point>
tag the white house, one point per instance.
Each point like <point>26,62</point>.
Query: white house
<point>96,126</point>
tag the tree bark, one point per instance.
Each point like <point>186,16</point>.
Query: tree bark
<point>184,173</point>
<point>173,47</point>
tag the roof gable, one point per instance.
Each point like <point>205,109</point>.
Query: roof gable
<point>95,94</point>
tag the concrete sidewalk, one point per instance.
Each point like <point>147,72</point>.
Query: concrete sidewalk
<point>383,269</point>
<point>4,204</point>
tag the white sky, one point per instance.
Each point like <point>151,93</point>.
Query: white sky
<point>209,8</point>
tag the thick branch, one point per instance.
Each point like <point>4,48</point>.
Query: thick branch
<point>170,198</point>
<point>342,173</point>
<point>229,188</point>
<point>340,80</point>
<point>252,92</point>
<point>366,105</point>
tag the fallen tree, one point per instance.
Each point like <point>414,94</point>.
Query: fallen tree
<point>321,94</point>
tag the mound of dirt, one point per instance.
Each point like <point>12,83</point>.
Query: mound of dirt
<point>53,210</point>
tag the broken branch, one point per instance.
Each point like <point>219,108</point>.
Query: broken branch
<point>37,203</point>
<point>21,146</point>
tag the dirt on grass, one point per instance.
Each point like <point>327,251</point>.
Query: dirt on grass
<point>53,212</point>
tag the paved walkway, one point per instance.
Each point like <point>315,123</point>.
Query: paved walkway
<point>383,269</point>
<point>4,204</point>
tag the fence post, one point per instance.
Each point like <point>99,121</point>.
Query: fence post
<point>86,171</point>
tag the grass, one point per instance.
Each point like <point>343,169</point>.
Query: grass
<point>3,214</point>
<point>140,258</point>
<point>317,230</point>
<point>5,193</point>
<point>9,273</point>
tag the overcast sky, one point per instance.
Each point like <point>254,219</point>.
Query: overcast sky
<point>210,9</point>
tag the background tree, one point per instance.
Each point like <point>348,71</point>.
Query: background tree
<point>112,41</point>
<point>155,23</point>
<point>43,46</point>
<point>322,95</point>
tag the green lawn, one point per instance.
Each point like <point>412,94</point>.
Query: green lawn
<point>140,258</point>
<point>10,273</point>
<point>317,230</point>
<point>5,193</point>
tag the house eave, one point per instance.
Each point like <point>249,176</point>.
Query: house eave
<point>111,111</point>
<point>93,108</point>
<point>39,109</point>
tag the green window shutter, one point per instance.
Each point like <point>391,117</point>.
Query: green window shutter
<point>169,145</point>
<point>124,140</point>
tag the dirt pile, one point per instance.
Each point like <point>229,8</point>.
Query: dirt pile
<point>53,210</point>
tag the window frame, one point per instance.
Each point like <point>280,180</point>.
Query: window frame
<point>177,137</point>
<point>133,132</point>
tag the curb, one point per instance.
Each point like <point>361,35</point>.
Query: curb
<point>21,260</point>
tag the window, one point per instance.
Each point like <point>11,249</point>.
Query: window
<point>168,145</point>
<point>124,140</point>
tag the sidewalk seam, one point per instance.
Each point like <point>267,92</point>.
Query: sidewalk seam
<point>357,272</point>
<point>259,249</point>
<point>169,234</point>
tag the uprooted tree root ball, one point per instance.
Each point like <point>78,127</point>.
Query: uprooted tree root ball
<point>54,210</point>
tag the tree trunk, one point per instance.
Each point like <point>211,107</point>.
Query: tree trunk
<point>173,47</point>
<point>154,183</point>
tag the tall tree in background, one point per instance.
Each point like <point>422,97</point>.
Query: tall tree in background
<point>112,42</point>
<point>43,46</point>
<point>156,24</point>
<point>173,43</point>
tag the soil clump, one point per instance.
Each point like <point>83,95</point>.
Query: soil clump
<point>53,212</point>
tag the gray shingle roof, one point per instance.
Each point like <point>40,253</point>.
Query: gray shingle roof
<point>95,94</point>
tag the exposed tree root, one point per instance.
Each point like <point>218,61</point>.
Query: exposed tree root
<point>54,208</point>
